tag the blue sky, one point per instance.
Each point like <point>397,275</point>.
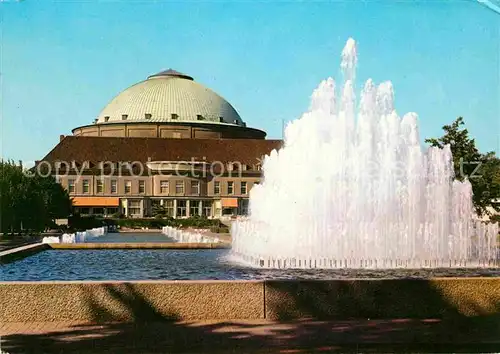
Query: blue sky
<point>63,61</point>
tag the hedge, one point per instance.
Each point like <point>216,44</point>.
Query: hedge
<point>79,223</point>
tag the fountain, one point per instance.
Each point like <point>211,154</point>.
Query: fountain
<point>183,236</point>
<point>78,237</point>
<point>353,188</point>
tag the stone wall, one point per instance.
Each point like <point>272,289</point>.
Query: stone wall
<point>134,301</point>
<point>93,302</point>
<point>384,298</point>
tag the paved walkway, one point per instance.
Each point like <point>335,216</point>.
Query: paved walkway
<point>255,336</point>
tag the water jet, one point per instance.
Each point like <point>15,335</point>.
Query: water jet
<point>352,187</point>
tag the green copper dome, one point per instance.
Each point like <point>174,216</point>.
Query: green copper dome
<point>169,96</point>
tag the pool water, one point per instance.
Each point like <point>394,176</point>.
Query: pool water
<point>170,264</point>
<point>133,237</point>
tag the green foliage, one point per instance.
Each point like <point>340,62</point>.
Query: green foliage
<point>29,202</point>
<point>157,223</point>
<point>118,215</point>
<point>482,170</point>
<point>141,223</point>
<point>81,223</point>
<point>158,210</point>
<point>199,222</point>
<point>495,218</point>
<point>219,229</point>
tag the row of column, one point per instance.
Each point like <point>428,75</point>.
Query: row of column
<point>188,207</point>
<point>189,202</point>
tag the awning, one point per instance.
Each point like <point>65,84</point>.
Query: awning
<point>96,201</point>
<point>229,202</point>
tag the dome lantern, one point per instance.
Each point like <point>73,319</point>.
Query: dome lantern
<point>171,73</point>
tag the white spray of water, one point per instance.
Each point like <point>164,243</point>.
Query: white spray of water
<point>354,188</point>
<point>78,237</point>
<point>183,236</point>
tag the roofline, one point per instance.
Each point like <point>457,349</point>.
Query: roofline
<point>173,139</point>
<point>65,149</point>
<point>193,123</point>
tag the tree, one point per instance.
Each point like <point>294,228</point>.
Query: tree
<point>29,202</point>
<point>159,211</point>
<point>482,170</point>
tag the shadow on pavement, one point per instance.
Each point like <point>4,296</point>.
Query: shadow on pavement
<point>154,332</point>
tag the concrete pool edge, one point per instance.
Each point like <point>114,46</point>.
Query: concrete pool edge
<point>140,245</point>
<point>17,253</point>
<point>139,301</point>
<point>21,252</point>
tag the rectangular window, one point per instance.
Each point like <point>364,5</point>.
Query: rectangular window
<point>243,207</point>
<point>207,208</point>
<point>142,187</point>
<point>97,211</point>
<point>195,187</point>
<point>99,186</point>
<point>181,208</point>
<point>216,187</point>
<point>71,185</point>
<point>230,187</point>
<point>85,186</point>
<point>134,203</point>
<point>169,207</point>
<point>114,189</point>
<point>243,188</point>
<point>128,187</point>
<point>194,207</point>
<point>164,187</point>
<point>179,187</point>
<point>134,207</point>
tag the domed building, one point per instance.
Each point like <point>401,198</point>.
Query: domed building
<point>167,141</point>
<point>169,105</point>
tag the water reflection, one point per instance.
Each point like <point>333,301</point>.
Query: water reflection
<point>184,265</point>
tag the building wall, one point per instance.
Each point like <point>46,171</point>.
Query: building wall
<point>152,185</point>
<point>170,130</point>
<point>224,182</point>
<point>152,190</point>
<point>120,183</point>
